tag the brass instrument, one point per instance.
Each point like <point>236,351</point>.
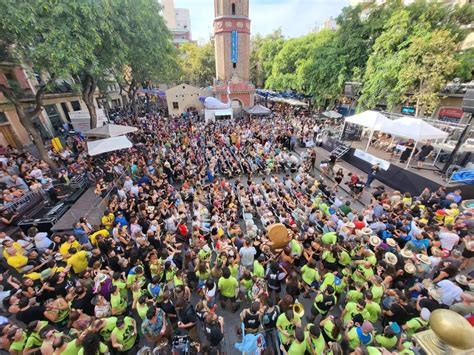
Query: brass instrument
<point>450,333</point>
<point>298,310</point>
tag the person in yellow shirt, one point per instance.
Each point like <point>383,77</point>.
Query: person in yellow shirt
<point>16,260</point>
<point>93,237</point>
<point>70,243</point>
<point>108,220</point>
<point>78,260</point>
<point>11,244</point>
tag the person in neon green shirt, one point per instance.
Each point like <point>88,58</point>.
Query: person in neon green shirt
<point>286,324</point>
<point>258,268</point>
<point>388,339</point>
<point>356,335</point>
<point>118,303</point>
<point>91,345</point>
<point>136,274</point>
<point>329,238</point>
<point>142,307</point>
<point>296,248</point>
<point>310,276</point>
<point>315,343</point>
<point>343,257</point>
<point>34,341</point>
<point>125,334</point>
<point>373,308</point>
<point>105,327</point>
<point>332,328</point>
<point>415,324</point>
<point>298,345</point>
<point>377,288</point>
<point>352,309</point>
<point>228,286</point>
<point>18,340</point>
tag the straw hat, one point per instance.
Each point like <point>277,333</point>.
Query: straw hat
<point>406,253</point>
<point>349,225</point>
<point>462,280</point>
<point>435,293</point>
<point>427,283</point>
<point>359,233</point>
<point>391,258</point>
<point>367,231</point>
<point>375,241</point>
<point>410,268</point>
<point>386,206</point>
<point>391,242</point>
<point>423,258</point>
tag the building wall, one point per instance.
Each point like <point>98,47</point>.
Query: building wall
<point>169,13</point>
<point>185,96</point>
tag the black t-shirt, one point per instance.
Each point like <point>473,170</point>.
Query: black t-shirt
<point>188,314</point>
<point>31,314</point>
<point>425,150</point>
<point>402,314</point>
<point>214,333</point>
<point>84,303</point>
<point>431,304</point>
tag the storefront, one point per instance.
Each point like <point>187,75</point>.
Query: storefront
<point>450,114</point>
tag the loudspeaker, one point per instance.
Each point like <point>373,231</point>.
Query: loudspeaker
<point>468,101</point>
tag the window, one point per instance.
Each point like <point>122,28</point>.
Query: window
<point>76,106</point>
<point>233,9</point>
<point>3,118</point>
<point>175,106</point>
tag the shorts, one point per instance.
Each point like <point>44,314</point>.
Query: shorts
<point>467,254</point>
<point>421,158</point>
<point>224,299</point>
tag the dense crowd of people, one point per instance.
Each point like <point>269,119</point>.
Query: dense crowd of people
<point>184,243</point>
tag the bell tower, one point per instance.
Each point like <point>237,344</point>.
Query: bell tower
<point>232,52</point>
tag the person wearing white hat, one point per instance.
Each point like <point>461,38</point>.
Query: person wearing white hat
<point>417,323</point>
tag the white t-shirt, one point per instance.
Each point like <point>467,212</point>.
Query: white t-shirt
<point>450,292</point>
<point>247,255</point>
<point>448,240</point>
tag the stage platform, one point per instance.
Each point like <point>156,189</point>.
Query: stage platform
<point>88,205</point>
<point>398,177</point>
<point>429,172</point>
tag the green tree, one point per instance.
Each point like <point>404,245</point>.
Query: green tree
<point>285,69</point>
<point>414,56</point>
<point>37,33</point>
<point>262,54</point>
<point>197,63</point>
<point>149,55</point>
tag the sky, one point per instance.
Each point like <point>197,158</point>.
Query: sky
<point>295,17</point>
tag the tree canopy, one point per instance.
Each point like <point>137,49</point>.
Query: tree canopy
<point>197,63</point>
<point>391,49</point>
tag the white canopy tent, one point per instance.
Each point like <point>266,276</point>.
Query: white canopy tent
<point>416,129</point>
<point>373,120</point>
<point>110,130</point>
<point>108,145</point>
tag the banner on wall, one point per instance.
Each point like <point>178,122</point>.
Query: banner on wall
<point>234,46</point>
